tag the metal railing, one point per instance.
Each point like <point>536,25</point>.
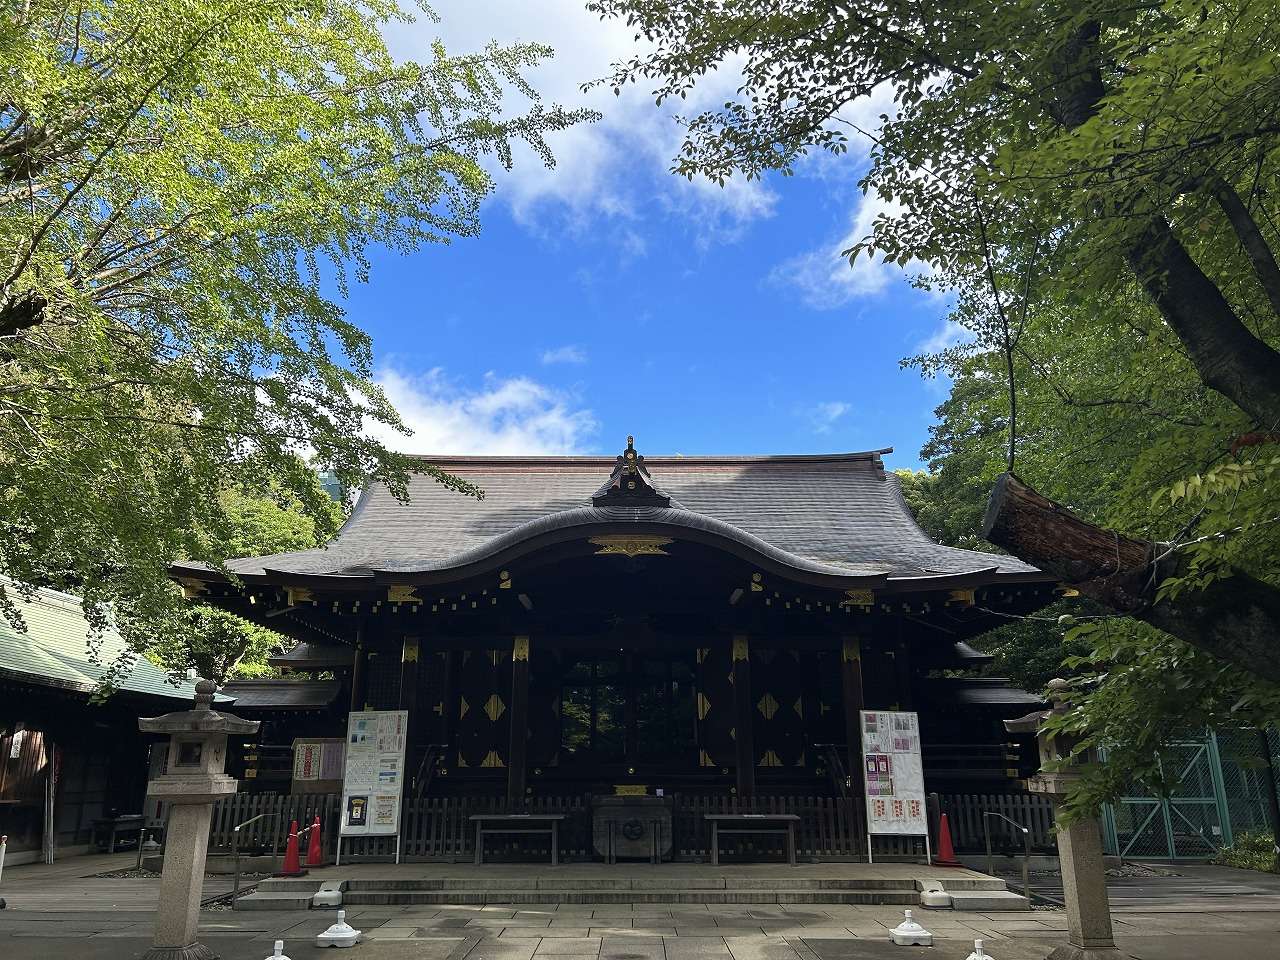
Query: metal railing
<point>1026,848</point>
<point>235,847</point>
<point>841,782</point>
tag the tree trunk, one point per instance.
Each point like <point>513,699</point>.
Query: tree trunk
<point>1236,618</point>
<point>1228,357</point>
<point>1273,800</point>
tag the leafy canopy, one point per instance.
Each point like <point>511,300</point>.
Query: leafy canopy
<point>179,183</point>
<point>1096,185</point>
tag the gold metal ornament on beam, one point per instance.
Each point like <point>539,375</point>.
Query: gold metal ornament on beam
<point>627,546</point>
<point>297,595</point>
<point>858,598</point>
<point>402,593</point>
<point>192,588</point>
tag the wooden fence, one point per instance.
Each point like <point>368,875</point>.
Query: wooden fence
<point>965,816</point>
<point>438,828</point>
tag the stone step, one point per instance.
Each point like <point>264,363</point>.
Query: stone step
<point>275,900</point>
<point>367,897</point>
<point>683,884</point>
<point>981,901</point>
<point>298,885</point>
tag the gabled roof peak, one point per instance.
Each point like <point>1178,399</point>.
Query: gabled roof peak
<point>629,485</point>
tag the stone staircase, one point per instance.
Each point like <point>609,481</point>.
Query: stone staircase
<point>283,894</point>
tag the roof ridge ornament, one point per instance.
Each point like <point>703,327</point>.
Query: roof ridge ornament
<point>629,485</point>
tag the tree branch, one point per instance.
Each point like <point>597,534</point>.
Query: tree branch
<point>1228,357</point>
<point>1251,239</point>
<point>1235,618</point>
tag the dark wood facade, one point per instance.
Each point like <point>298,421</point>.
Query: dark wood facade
<point>641,644</point>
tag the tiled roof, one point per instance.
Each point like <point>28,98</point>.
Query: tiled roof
<point>54,650</point>
<point>981,691</point>
<point>314,656</point>
<point>971,654</point>
<point>282,694</point>
<point>835,515</point>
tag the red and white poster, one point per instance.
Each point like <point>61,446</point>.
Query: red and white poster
<point>892,773</point>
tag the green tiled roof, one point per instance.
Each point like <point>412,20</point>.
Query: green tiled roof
<point>54,650</point>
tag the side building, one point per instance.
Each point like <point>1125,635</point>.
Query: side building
<point>68,758</point>
<point>597,625</point>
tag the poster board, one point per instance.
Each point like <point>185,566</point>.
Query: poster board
<point>318,765</point>
<point>893,776</point>
<point>373,775</point>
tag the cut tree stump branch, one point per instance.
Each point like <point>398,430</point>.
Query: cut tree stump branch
<point>1235,618</point>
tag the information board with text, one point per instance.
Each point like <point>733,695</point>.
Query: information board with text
<point>892,773</point>
<point>373,778</point>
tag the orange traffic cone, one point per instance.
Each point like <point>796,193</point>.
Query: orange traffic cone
<point>946,853</point>
<point>292,867</point>
<point>314,857</point>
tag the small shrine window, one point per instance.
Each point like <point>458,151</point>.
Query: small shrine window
<point>189,752</point>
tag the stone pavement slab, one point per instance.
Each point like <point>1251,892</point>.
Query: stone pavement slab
<point>632,950</point>
<point>576,946</point>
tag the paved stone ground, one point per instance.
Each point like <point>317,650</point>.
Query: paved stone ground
<point>749,932</point>
<point>1206,913</point>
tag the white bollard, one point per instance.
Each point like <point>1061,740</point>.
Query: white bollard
<point>934,896</point>
<point>278,953</point>
<point>910,934</point>
<point>4,845</point>
<point>340,934</point>
<point>979,953</point>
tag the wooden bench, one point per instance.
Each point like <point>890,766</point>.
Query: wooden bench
<point>114,826</point>
<point>779,824</point>
<point>548,823</point>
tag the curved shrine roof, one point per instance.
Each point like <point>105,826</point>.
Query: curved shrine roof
<point>833,516</point>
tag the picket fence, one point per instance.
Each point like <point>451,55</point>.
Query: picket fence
<point>438,828</point>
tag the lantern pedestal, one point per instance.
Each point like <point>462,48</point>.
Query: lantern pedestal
<point>192,781</point>
<point>1084,879</point>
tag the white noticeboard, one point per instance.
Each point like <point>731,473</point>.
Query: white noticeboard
<point>892,776</point>
<point>373,779</point>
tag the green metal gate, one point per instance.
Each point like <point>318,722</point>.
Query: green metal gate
<point>1190,822</point>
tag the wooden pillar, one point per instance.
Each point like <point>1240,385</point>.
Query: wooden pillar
<point>359,672</point>
<point>518,749</point>
<point>902,667</point>
<point>409,677</point>
<point>632,682</point>
<point>744,745</point>
<point>448,705</point>
<point>851,690</point>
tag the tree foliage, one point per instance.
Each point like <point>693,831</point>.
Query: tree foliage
<point>1096,185</point>
<point>218,645</point>
<point>180,183</point>
<point>1136,690</point>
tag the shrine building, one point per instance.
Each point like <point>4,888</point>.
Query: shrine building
<point>593,625</point>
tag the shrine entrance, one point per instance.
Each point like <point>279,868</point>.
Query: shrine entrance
<point>628,710</point>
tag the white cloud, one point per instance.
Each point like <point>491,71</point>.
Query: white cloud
<point>823,416</point>
<point>948,334</point>
<point>825,279</point>
<point>515,415</point>
<point>616,168</point>
<point>569,353</point>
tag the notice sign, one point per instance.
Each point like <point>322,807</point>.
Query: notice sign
<point>373,779</point>
<point>892,773</point>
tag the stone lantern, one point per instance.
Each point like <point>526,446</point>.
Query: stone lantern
<point>192,781</point>
<point>1084,880</point>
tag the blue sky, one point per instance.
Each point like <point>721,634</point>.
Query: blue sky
<point>609,297</point>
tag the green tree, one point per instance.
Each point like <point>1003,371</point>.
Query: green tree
<point>219,645</point>
<point>179,183</point>
<point>1106,174</point>
<point>1132,423</point>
